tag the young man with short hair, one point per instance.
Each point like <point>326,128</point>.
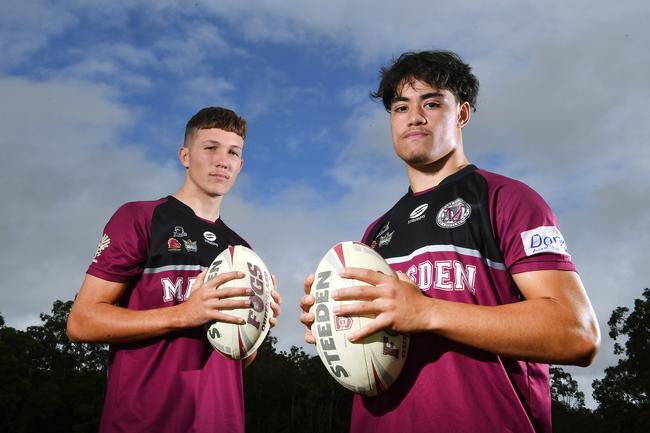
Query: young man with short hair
<point>486,287</point>
<point>145,294</point>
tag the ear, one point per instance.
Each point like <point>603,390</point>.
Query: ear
<point>184,156</point>
<point>464,114</point>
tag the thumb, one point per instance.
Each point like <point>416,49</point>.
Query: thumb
<point>403,277</point>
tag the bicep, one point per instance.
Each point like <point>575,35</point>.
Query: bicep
<point>563,287</point>
<point>84,314</point>
<point>96,290</point>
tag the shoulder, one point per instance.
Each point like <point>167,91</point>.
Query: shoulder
<point>376,225</point>
<point>498,182</point>
<point>136,210</point>
<point>506,192</point>
<point>235,239</point>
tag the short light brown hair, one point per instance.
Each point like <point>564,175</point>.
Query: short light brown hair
<point>215,117</point>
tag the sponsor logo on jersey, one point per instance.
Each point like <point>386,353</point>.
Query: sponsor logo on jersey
<point>210,238</point>
<point>179,232</point>
<point>544,239</point>
<point>418,213</point>
<point>453,214</point>
<point>446,275</point>
<point>190,245</point>
<point>173,245</point>
<point>104,242</point>
<point>342,323</point>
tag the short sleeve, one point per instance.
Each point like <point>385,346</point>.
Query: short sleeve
<point>123,248</point>
<point>525,228</point>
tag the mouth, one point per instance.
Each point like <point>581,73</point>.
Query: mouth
<point>415,133</point>
<point>220,176</point>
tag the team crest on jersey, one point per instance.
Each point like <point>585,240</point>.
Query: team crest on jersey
<point>173,245</point>
<point>179,232</point>
<point>384,229</point>
<point>190,245</point>
<point>386,238</point>
<point>453,214</point>
<point>418,213</point>
<point>104,242</point>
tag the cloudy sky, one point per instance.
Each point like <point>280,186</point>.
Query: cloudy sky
<point>94,99</point>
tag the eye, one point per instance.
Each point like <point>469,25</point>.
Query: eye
<point>234,153</point>
<point>431,104</point>
<point>399,108</point>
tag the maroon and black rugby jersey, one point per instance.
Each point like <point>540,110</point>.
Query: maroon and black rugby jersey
<point>461,241</point>
<point>176,382</point>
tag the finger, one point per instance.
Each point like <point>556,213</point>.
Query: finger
<point>272,322</point>
<point>224,278</point>
<point>227,318</point>
<point>357,293</point>
<point>200,279</point>
<point>306,302</point>
<point>403,277</point>
<point>359,309</point>
<point>276,297</point>
<point>308,283</point>
<point>309,337</point>
<point>276,309</point>
<point>375,325</point>
<point>275,283</point>
<point>230,292</point>
<point>232,304</point>
<point>365,275</point>
<point>307,319</point>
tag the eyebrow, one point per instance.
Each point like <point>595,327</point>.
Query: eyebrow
<point>220,144</point>
<point>422,97</point>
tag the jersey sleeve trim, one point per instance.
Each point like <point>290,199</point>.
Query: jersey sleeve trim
<point>543,262</point>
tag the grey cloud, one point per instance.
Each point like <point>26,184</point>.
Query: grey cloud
<point>65,176</point>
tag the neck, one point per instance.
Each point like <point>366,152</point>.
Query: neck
<point>203,205</point>
<point>423,177</point>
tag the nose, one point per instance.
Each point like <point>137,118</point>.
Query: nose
<point>220,160</point>
<point>416,117</point>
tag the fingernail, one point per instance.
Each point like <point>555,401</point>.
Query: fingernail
<point>337,309</point>
<point>335,294</point>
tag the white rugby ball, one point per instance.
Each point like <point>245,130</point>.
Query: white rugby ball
<point>371,365</point>
<point>240,341</point>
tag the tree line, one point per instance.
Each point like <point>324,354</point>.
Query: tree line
<point>49,384</point>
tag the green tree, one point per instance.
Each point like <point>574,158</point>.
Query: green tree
<point>624,393</point>
<point>48,383</point>
<point>293,392</point>
<point>568,405</point>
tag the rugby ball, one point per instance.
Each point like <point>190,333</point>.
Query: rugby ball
<point>368,366</point>
<point>240,341</point>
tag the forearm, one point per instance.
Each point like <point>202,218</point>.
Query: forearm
<point>107,323</point>
<point>540,330</point>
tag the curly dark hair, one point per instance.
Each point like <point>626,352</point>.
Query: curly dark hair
<point>441,69</point>
<point>216,117</point>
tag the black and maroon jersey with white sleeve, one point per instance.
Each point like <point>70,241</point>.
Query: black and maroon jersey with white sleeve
<point>175,382</point>
<point>461,241</point>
